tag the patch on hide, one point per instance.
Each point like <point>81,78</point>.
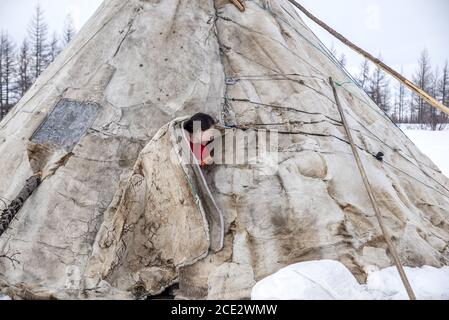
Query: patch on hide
<point>66,124</point>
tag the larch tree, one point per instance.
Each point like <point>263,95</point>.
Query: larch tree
<point>444,85</point>
<point>54,48</point>
<point>24,77</point>
<point>341,59</point>
<point>378,88</point>
<point>69,30</point>
<point>2,53</point>
<point>7,73</point>
<point>38,33</point>
<point>443,92</point>
<point>400,102</point>
<point>423,78</point>
<point>364,75</point>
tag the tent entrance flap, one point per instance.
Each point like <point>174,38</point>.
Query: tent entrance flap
<point>200,189</point>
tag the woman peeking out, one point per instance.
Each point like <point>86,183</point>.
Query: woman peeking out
<point>200,128</point>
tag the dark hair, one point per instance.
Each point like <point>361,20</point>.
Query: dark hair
<point>206,122</point>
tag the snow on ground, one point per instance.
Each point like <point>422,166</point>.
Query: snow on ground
<point>427,282</point>
<point>4,297</point>
<point>434,144</point>
<point>331,280</point>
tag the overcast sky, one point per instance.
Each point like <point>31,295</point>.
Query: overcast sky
<point>399,29</point>
<point>15,15</point>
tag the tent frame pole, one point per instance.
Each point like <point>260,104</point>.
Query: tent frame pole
<point>409,84</point>
<point>386,234</point>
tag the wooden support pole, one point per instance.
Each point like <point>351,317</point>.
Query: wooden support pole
<point>13,208</point>
<point>372,198</point>
<point>238,4</point>
<point>424,95</point>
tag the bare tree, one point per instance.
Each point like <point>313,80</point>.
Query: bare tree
<point>341,59</point>
<point>443,94</point>
<point>54,48</point>
<point>24,77</point>
<point>444,85</point>
<point>433,114</point>
<point>378,88</point>
<point>2,53</point>
<point>38,33</point>
<point>7,73</point>
<point>364,75</point>
<point>424,79</point>
<point>69,30</point>
<point>401,102</point>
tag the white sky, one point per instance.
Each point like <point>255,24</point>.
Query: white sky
<point>400,29</point>
<point>15,15</point>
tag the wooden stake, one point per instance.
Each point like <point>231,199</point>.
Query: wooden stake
<point>430,100</point>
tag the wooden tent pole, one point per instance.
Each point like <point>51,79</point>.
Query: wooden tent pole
<point>424,95</point>
<point>238,4</point>
<point>385,233</point>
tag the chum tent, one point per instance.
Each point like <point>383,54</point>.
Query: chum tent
<point>97,205</point>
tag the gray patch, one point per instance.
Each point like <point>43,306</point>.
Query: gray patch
<point>66,124</point>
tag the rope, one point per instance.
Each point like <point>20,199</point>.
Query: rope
<point>245,127</point>
<point>234,80</point>
<point>367,184</point>
<point>404,155</point>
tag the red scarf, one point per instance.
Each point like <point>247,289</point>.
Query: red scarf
<point>200,153</point>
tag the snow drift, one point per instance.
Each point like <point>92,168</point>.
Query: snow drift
<point>331,280</point>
